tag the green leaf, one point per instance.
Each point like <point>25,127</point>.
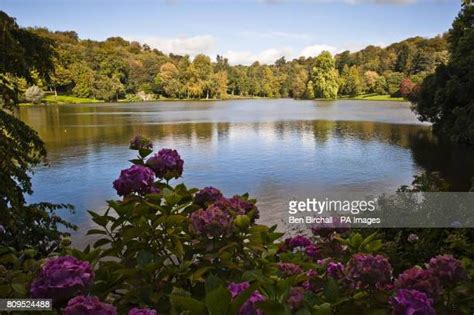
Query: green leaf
<point>19,288</point>
<point>331,290</point>
<point>144,257</point>
<point>96,231</point>
<point>274,308</point>
<point>197,275</point>
<point>101,242</point>
<point>213,282</point>
<point>218,301</point>
<point>323,309</point>
<point>186,303</point>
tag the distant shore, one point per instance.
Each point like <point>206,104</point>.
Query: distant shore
<point>68,100</point>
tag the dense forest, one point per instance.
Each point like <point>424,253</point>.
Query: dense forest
<point>118,69</point>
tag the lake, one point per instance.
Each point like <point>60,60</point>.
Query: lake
<point>274,149</point>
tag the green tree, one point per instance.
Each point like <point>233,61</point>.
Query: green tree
<point>21,148</point>
<point>352,82</point>
<point>200,71</point>
<point>325,77</point>
<point>393,80</point>
<point>298,84</point>
<point>446,97</point>
<point>310,90</point>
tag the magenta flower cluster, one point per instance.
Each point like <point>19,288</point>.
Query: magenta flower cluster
<point>289,269</point>
<point>412,302</point>
<point>140,142</point>
<point>217,219</point>
<point>368,270</point>
<point>236,204</point>
<point>296,297</point>
<point>136,179</point>
<point>448,269</point>
<point>419,279</point>
<point>211,221</point>
<point>167,164</point>
<point>302,243</point>
<point>207,196</point>
<point>235,288</point>
<point>142,311</point>
<point>90,305</point>
<point>442,271</point>
<point>335,270</point>
<point>249,307</point>
<point>61,278</point>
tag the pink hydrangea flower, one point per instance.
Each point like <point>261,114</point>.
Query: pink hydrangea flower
<point>61,278</point>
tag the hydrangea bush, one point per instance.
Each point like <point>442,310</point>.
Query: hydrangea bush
<point>170,249</point>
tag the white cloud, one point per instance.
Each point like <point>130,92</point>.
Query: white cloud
<point>314,50</point>
<point>181,45</point>
<point>267,56</point>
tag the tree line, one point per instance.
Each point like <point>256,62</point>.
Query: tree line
<point>116,69</point>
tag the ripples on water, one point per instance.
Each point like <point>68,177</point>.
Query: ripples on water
<point>274,149</point>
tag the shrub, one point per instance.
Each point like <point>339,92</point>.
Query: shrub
<point>170,249</point>
<point>34,94</point>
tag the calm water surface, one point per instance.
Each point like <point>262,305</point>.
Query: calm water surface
<point>274,149</point>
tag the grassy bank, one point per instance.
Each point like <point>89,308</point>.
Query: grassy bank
<point>65,99</point>
<point>374,97</point>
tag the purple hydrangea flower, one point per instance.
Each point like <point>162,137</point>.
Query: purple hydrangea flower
<point>368,270</point>
<point>412,302</point>
<point>89,305</point>
<point>299,241</point>
<point>250,307</point>
<point>140,142</point>
<point>212,222</point>
<point>2,229</point>
<point>207,195</point>
<point>307,284</point>
<point>136,179</point>
<point>142,311</point>
<point>236,288</point>
<point>238,205</point>
<point>289,269</point>
<point>327,229</point>
<point>296,297</point>
<point>312,251</point>
<point>448,269</point>
<point>61,278</point>
<point>167,164</point>
<point>419,279</point>
<point>335,270</point>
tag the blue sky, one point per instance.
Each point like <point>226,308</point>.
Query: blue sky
<point>243,31</point>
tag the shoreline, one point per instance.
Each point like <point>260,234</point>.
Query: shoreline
<point>83,101</point>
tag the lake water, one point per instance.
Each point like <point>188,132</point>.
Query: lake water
<point>274,149</point>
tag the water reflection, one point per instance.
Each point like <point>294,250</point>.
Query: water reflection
<point>275,150</point>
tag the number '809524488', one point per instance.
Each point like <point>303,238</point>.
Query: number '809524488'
<point>25,304</point>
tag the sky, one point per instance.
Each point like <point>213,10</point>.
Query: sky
<point>243,31</point>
